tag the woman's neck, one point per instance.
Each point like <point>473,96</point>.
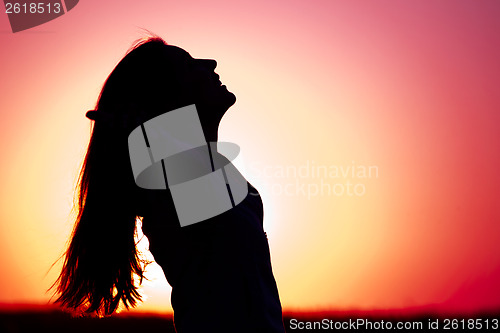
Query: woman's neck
<point>211,136</point>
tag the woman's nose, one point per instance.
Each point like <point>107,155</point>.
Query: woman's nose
<point>208,63</point>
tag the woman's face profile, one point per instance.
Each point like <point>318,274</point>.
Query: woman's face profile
<point>199,78</point>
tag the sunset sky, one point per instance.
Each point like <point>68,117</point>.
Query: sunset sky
<point>370,128</point>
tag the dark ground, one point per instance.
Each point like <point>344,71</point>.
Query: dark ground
<point>55,321</point>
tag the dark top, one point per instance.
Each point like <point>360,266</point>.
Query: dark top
<point>220,271</point>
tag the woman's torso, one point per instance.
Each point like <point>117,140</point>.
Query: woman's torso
<point>219,269</point>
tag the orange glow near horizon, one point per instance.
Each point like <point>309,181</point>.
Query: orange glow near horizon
<point>410,88</point>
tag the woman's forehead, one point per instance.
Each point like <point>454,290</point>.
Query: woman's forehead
<point>177,52</point>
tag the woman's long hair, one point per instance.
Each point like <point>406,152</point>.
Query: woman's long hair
<point>101,261</point>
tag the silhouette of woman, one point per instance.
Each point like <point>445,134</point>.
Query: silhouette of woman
<point>219,269</point>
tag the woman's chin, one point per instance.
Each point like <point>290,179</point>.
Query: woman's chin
<point>231,98</point>
<point>228,97</point>
<point>221,100</point>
